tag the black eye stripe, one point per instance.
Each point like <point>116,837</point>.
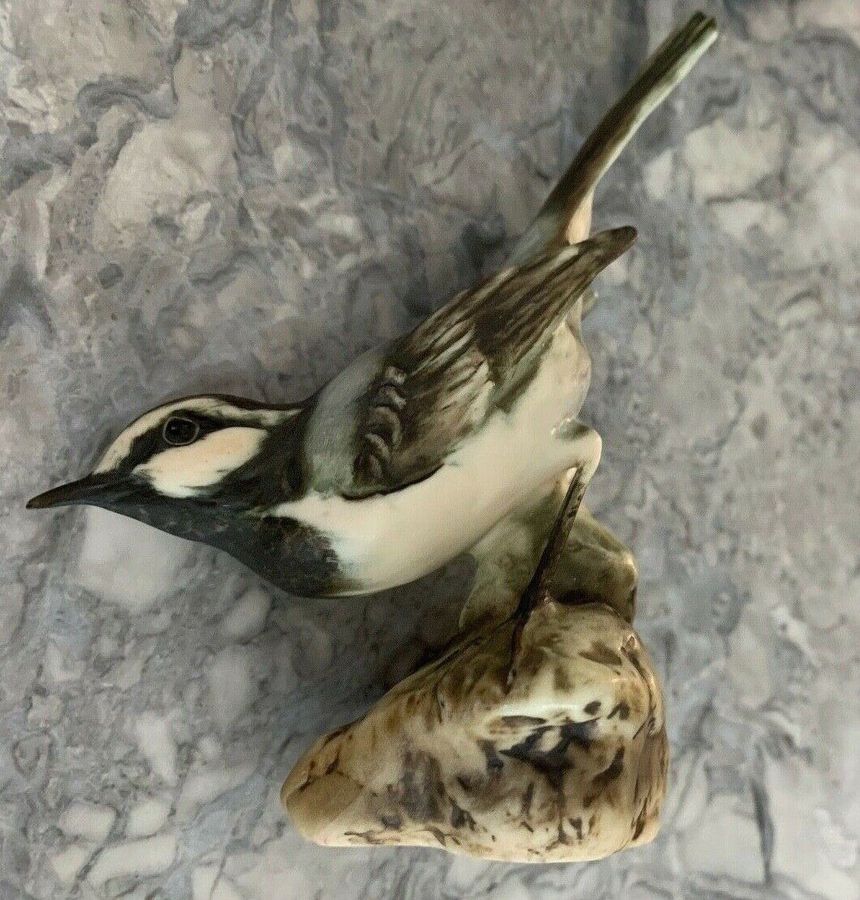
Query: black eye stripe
<point>262,478</point>
<point>152,441</point>
<point>142,448</point>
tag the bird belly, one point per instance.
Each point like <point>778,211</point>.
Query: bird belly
<point>389,539</point>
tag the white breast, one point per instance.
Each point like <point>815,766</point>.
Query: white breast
<point>387,540</point>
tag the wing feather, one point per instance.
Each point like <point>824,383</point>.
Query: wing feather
<point>439,383</point>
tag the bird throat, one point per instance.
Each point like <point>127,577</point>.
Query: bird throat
<point>294,556</point>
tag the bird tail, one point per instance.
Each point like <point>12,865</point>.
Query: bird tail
<point>565,217</point>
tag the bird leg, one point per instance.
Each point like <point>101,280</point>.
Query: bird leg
<point>587,446</point>
<point>538,592</point>
<point>596,567</point>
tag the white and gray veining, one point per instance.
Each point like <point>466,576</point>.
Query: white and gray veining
<point>242,196</point>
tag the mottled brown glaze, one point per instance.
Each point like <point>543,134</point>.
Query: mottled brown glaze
<point>568,764</point>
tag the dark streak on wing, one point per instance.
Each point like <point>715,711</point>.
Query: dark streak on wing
<point>440,383</point>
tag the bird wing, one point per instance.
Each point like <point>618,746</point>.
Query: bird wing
<point>438,384</point>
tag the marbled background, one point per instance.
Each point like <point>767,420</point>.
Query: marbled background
<point>244,194</point>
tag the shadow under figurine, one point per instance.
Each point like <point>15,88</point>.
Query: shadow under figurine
<point>539,738</point>
<point>415,452</point>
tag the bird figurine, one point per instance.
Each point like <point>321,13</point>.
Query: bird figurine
<point>415,451</point>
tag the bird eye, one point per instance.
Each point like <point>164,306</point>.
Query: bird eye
<point>179,431</point>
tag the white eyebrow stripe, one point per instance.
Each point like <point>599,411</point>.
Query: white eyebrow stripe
<point>121,446</point>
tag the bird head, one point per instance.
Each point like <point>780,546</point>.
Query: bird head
<point>191,466</point>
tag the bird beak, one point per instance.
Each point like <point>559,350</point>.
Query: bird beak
<point>97,490</point>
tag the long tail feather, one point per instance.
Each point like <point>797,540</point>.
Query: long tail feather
<point>565,217</point>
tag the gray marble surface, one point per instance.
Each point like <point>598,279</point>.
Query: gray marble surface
<point>242,195</point>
